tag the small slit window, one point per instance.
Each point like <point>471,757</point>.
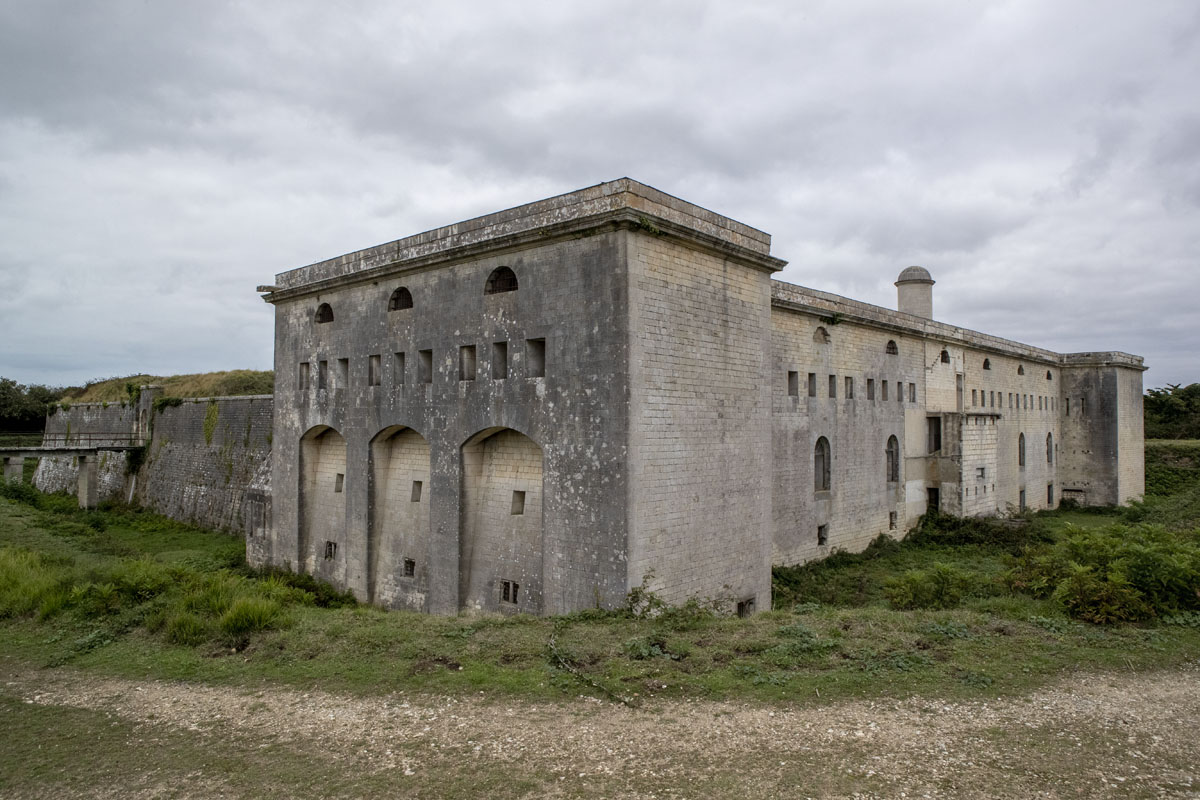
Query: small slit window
<point>812,384</point>
<point>821,459</point>
<point>324,313</point>
<point>535,357</point>
<point>499,360</point>
<point>891,348</point>
<point>1049,448</point>
<point>518,503</point>
<point>1021,450</point>
<point>339,482</point>
<point>417,486</point>
<point>501,280</point>
<point>508,591</point>
<point>400,299</point>
<point>822,535</point>
<point>466,363</point>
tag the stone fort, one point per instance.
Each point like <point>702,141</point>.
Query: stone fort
<point>539,409</point>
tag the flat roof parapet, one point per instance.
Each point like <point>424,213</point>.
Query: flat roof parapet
<point>594,204</point>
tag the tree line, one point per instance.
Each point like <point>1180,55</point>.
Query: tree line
<point>1173,412</point>
<point>23,408</point>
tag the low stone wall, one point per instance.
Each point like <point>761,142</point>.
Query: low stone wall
<point>208,461</point>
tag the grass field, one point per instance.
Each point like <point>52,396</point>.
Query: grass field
<point>204,384</point>
<point>956,610</point>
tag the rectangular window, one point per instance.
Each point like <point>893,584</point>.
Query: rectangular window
<point>330,550</point>
<point>899,391</point>
<point>374,370</point>
<point>322,374</point>
<point>1050,494</point>
<point>410,568</point>
<point>339,481</point>
<point>992,399</point>
<point>849,388</point>
<point>535,356</point>
<point>833,385</point>
<point>883,390</point>
<point>398,369</point>
<point>974,398</point>
<point>343,373</point>
<point>518,504</point>
<point>793,383</point>
<point>822,535</point>
<point>1010,401</point>
<point>302,378</point>
<point>466,363</point>
<point>912,393</point>
<point>1083,405</point>
<point>812,384</point>
<point>415,497</point>
<point>1021,500</point>
<point>891,520</point>
<point>981,474</point>
<point>1067,407</point>
<point>870,388</point>
<point>508,591</point>
<point>499,361</point>
<point>745,608</point>
<point>933,434</point>
<point>425,364</point>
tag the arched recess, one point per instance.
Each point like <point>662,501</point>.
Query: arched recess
<point>398,531</point>
<point>892,454</point>
<point>324,313</point>
<point>500,560</point>
<point>322,530</point>
<point>502,279</point>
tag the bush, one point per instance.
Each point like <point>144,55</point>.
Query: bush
<point>249,614</point>
<point>1115,573</point>
<point>945,530</point>
<point>940,586</point>
<point>187,629</point>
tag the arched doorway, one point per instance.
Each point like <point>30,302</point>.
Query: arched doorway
<point>322,501</point>
<point>398,537</point>
<point>500,566</point>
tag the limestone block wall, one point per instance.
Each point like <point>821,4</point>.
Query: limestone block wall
<point>979,464</point>
<point>204,454</point>
<point>399,534</point>
<point>858,396</point>
<point>546,360</point>
<point>699,502</point>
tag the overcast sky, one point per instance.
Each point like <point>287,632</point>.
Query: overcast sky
<point>158,160</point>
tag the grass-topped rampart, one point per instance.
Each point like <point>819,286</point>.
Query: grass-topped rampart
<point>237,382</point>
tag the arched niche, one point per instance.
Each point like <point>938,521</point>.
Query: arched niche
<point>500,560</point>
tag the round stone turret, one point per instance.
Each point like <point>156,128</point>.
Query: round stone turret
<point>914,290</point>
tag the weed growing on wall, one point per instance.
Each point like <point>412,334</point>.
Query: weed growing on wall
<point>210,421</point>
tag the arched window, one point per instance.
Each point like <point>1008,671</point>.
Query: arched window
<point>1020,369</point>
<point>1049,448</point>
<point>501,280</point>
<point>945,357</point>
<point>821,336</point>
<point>821,464</point>
<point>987,363</point>
<point>324,313</point>
<point>400,300</point>
<point>891,348</point>
<point>1021,450</point>
<point>1049,377</point>
<point>893,459</point>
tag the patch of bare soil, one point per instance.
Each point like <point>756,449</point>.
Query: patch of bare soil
<point>1107,735</point>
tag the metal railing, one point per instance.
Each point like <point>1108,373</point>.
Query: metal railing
<point>92,439</point>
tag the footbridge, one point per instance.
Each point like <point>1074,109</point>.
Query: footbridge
<point>86,447</point>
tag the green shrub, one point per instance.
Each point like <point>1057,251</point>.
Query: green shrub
<point>26,580</point>
<point>945,530</point>
<point>940,586</point>
<point>249,614</point>
<point>187,629</point>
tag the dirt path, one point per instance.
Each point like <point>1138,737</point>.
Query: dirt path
<point>1093,736</point>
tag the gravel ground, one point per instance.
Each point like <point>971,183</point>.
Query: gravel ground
<point>1098,735</point>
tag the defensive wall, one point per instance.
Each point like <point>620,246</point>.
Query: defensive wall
<point>205,460</point>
